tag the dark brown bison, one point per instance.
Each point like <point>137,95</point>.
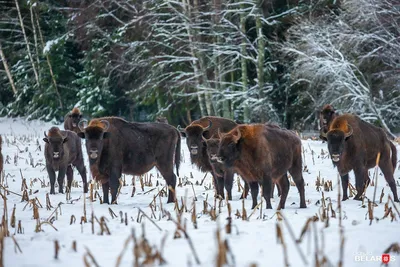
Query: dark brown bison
<point>115,146</point>
<point>354,145</point>
<point>71,120</point>
<point>1,156</point>
<point>260,153</point>
<point>208,127</point>
<point>63,149</point>
<point>326,116</point>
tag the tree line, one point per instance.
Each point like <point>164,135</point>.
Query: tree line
<point>248,60</point>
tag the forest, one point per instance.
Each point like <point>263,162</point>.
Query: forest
<point>248,60</point>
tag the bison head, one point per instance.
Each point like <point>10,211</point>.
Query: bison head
<point>229,147</point>
<point>94,134</point>
<point>336,139</point>
<point>55,142</point>
<point>75,116</point>
<point>194,138</point>
<point>326,115</point>
<point>212,152</point>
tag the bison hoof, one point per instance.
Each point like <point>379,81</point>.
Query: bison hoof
<point>303,206</point>
<point>345,198</point>
<point>357,198</point>
<point>396,200</point>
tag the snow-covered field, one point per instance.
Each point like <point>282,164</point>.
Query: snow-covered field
<point>252,242</point>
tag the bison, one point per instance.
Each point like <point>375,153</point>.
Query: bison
<point>115,146</point>
<point>208,127</point>
<point>63,149</point>
<point>326,116</point>
<point>354,145</point>
<point>71,120</point>
<point>263,154</point>
<point>219,170</point>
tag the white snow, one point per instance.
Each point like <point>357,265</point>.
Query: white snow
<point>50,43</point>
<point>252,241</point>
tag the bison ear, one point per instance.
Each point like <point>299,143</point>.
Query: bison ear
<point>81,135</point>
<point>238,135</point>
<point>106,135</point>
<point>46,140</point>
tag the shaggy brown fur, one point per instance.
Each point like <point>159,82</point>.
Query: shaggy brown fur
<point>63,149</point>
<point>71,120</point>
<point>354,145</point>
<point>260,153</point>
<point>194,134</point>
<point>115,146</point>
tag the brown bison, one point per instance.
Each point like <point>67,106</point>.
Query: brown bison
<point>195,133</point>
<point>326,116</point>
<point>354,145</point>
<point>115,146</point>
<point>260,153</point>
<point>71,120</point>
<point>63,149</point>
<point>219,170</point>
<point>1,156</point>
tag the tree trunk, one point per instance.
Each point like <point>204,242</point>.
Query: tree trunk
<point>49,64</point>
<point>200,95</point>
<point>7,69</point>
<point>243,51</point>
<point>260,63</point>
<point>27,43</point>
<point>35,38</point>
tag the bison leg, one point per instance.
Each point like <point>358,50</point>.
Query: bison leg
<point>82,171</point>
<point>228,181</point>
<point>266,184</point>
<point>70,178</point>
<point>106,189</point>
<point>387,170</point>
<point>297,175</point>
<point>60,179</point>
<point>360,176</point>
<point>283,184</point>
<point>171,182</point>
<point>52,177</point>
<point>254,193</point>
<point>114,183</point>
<point>273,190</point>
<point>246,190</point>
<point>345,185</point>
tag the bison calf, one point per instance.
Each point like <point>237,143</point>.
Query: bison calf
<point>63,149</point>
<point>261,153</point>
<point>208,127</point>
<point>72,119</point>
<point>115,146</point>
<point>354,145</point>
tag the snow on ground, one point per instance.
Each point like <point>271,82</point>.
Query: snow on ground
<point>251,242</point>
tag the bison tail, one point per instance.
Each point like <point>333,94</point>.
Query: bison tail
<point>394,155</point>
<point>178,154</point>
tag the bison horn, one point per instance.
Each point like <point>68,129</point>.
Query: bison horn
<point>237,137</point>
<point>209,126</point>
<point>180,129</point>
<point>82,125</point>
<point>45,134</point>
<point>350,132</point>
<point>323,134</point>
<point>106,124</point>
